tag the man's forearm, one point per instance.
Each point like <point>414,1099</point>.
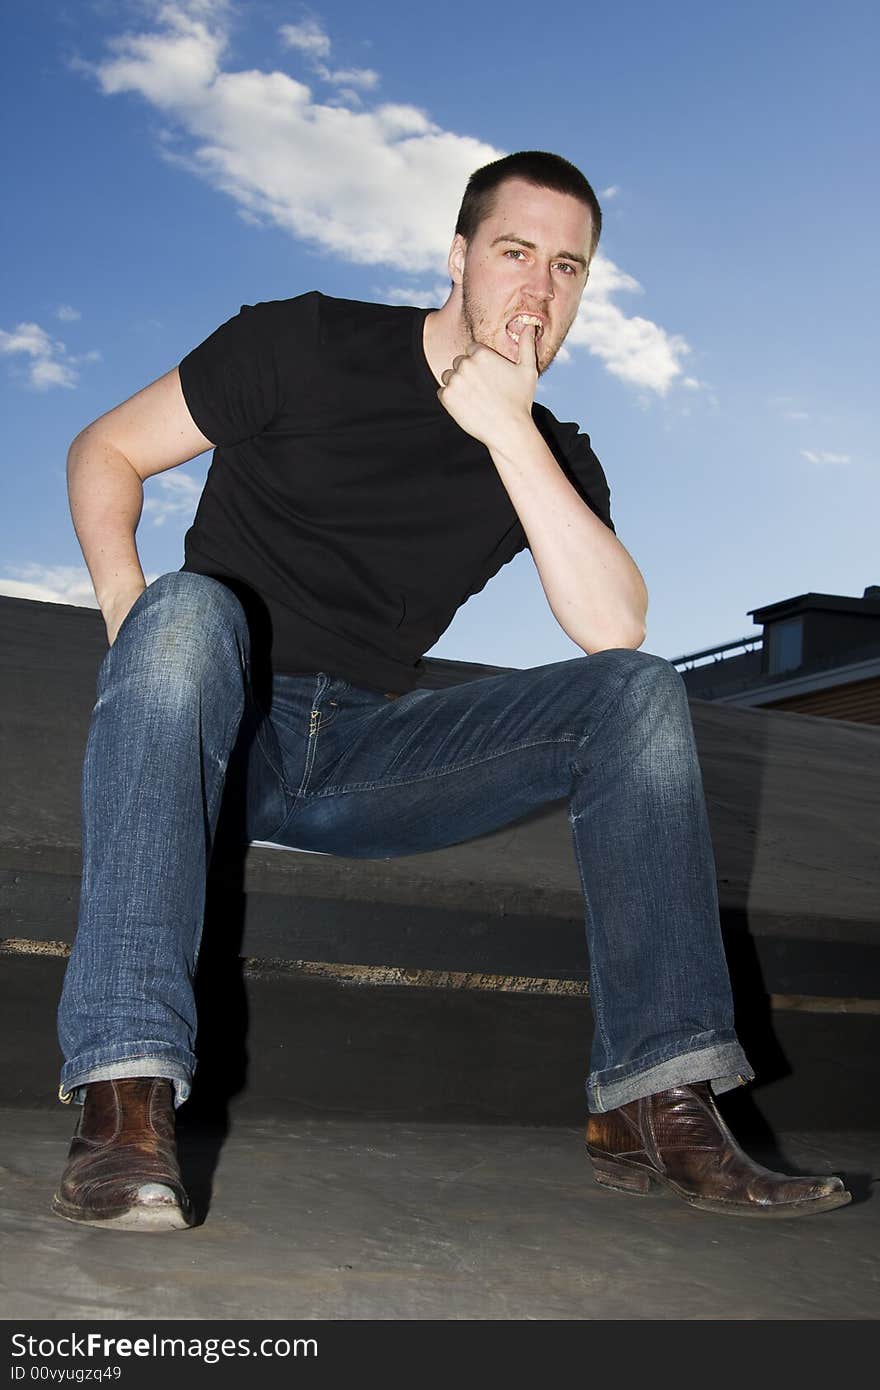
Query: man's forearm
<point>592,584</point>
<point>106,500</point>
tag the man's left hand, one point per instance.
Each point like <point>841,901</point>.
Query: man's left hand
<point>488,395</point>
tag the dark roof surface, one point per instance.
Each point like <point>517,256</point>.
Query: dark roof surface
<point>825,603</point>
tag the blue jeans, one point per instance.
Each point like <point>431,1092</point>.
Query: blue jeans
<point>345,770</point>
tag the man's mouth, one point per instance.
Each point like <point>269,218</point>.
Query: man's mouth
<point>516,324</point>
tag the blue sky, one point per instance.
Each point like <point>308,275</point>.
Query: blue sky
<point>172,161</point>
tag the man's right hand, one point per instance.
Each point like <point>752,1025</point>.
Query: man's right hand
<point>117,609</point>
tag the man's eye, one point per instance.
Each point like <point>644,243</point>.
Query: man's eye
<point>514,251</point>
<point>564,265</point>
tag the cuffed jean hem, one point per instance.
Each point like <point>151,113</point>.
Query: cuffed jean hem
<point>722,1063</point>
<point>148,1059</point>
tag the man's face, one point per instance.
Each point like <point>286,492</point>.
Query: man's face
<point>529,256</point>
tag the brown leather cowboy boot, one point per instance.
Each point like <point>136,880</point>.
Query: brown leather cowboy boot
<point>122,1171</point>
<point>678,1138</point>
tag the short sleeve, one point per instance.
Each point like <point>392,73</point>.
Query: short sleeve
<point>574,454</point>
<point>234,382</point>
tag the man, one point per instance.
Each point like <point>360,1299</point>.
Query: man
<point>373,467</point>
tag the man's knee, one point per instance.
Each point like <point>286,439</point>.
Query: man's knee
<point>623,666</point>
<point>628,684</point>
<point>185,628</point>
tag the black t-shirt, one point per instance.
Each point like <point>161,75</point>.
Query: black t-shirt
<point>343,499</point>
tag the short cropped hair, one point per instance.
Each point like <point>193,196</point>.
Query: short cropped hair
<point>536,167</point>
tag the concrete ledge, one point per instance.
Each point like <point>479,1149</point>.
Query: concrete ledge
<point>272,1042</point>
<point>792,802</point>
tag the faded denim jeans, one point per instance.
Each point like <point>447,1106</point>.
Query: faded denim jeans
<point>342,769</point>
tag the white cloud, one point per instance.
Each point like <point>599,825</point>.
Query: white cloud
<point>425,299</point>
<point>634,349</point>
<point>812,456</point>
<point>308,37</point>
<point>29,338</point>
<point>374,186</point>
<point>67,314</point>
<point>789,408</point>
<point>49,364</point>
<point>46,373</point>
<point>366,78</point>
<point>50,584</point>
<point>179,496</point>
<point>610,192</point>
<point>312,40</point>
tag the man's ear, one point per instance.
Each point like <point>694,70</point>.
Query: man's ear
<point>457,257</point>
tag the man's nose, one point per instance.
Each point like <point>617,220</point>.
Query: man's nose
<point>540,282</point>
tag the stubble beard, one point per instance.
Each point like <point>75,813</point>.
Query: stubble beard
<point>478,329</point>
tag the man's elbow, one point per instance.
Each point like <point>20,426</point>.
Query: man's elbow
<point>627,633</point>
<point>630,639</point>
<point>605,631</point>
<point>80,446</point>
